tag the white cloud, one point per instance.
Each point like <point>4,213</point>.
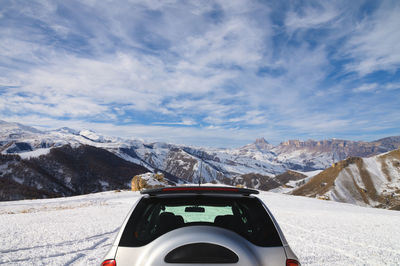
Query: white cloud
<point>374,43</point>
<point>142,81</point>
<point>197,66</point>
<point>366,87</point>
<point>312,16</point>
<point>184,122</point>
<point>392,86</point>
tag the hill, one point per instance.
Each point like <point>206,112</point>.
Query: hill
<point>373,181</point>
<point>65,171</point>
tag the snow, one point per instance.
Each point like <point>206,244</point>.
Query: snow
<point>346,185</point>
<point>293,184</point>
<point>104,184</point>
<point>35,153</point>
<point>331,233</point>
<point>79,230</point>
<point>374,166</point>
<point>90,135</point>
<point>18,180</point>
<point>344,189</point>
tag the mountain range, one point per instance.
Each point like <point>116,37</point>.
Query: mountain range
<point>65,161</point>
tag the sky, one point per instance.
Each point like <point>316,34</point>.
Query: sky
<point>205,73</point>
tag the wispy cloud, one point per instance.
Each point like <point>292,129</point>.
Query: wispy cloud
<point>312,15</point>
<point>190,71</point>
<point>366,87</point>
<point>373,43</point>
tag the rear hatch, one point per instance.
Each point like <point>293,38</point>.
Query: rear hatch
<point>200,228</point>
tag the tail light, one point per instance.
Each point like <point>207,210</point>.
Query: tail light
<point>290,262</point>
<point>109,263</point>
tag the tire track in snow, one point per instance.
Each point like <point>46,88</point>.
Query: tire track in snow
<point>61,243</point>
<point>93,242</point>
<point>59,254</point>
<point>81,256</point>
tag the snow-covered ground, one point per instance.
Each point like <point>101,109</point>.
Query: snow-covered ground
<point>79,230</point>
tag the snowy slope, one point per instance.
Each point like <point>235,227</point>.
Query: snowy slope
<point>79,230</point>
<point>293,184</point>
<point>373,181</point>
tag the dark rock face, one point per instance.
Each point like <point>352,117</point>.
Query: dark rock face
<point>19,147</point>
<point>65,171</point>
<point>12,190</point>
<point>289,176</point>
<point>176,159</point>
<point>263,182</point>
<point>391,143</point>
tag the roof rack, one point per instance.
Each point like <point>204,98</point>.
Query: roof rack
<point>199,190</point>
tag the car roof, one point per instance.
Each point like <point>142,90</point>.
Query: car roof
<point>196,190</point>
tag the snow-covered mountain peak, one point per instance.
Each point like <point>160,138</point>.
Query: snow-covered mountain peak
<point>91,135</point>
<point>14,130</point>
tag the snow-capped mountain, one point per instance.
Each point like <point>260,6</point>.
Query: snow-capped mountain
<point>254,165</point>
<point>64,171</point>
<point>373,181</point>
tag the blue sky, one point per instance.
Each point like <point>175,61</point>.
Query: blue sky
<point>212,73</point>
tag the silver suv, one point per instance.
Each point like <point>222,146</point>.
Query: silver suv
<point>200,225</point>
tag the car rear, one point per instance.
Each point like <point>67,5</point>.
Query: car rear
<point>200,225</point>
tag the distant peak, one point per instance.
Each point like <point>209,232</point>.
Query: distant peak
<point>89,134</point>
<point>261,144</point>
<point>261,141</point>
<point>13,127</point>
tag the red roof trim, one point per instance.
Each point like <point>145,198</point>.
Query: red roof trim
<point>199,189</point>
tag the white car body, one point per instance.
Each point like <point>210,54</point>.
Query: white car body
<point>200,244</point>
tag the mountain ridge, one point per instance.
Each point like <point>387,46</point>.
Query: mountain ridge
<point>255,164</point>
<point>373,181</point>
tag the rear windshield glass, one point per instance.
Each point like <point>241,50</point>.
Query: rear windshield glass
<point>156,216</point>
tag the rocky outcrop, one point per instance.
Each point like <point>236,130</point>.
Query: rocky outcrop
<point>263,182</point>
<point>148,181</point>
<point>260,144</point>
<point>289,176</point>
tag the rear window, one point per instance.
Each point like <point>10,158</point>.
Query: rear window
<point>156,216</point>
